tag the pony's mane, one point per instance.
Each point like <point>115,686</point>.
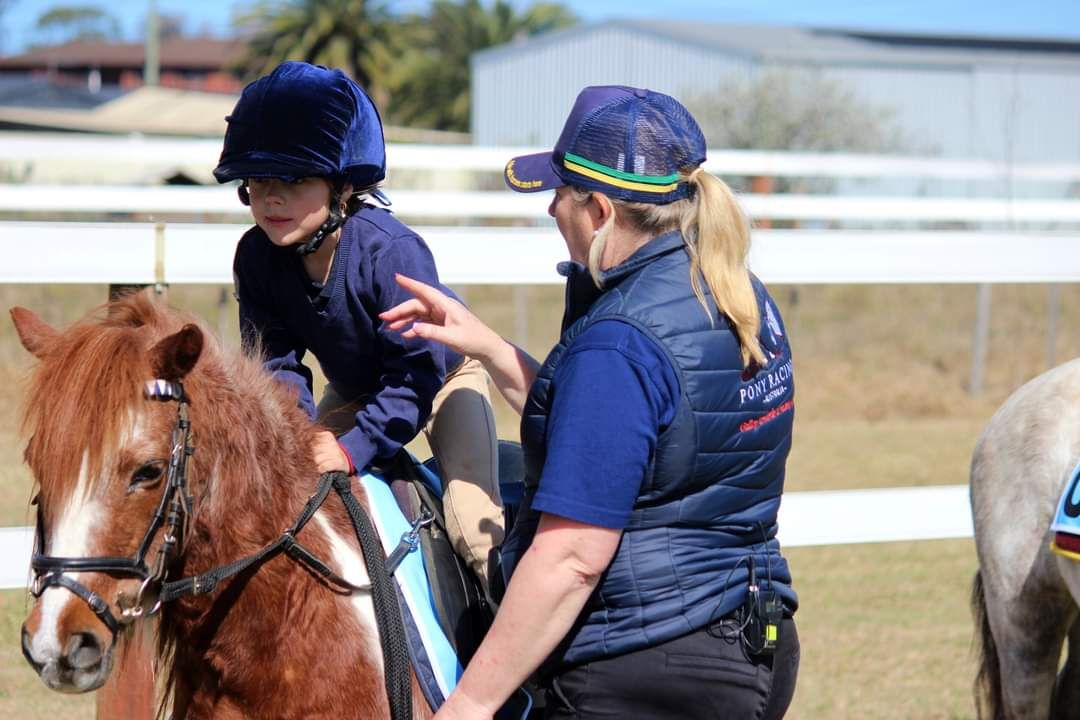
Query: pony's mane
<point>88,385</point>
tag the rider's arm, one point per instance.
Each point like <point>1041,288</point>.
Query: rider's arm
<point>409,371</point>
<point>263,330</point>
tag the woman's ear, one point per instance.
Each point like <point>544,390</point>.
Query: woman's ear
<point>600,209</point>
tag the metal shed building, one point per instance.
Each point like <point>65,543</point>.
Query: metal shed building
<point>1001,99</point>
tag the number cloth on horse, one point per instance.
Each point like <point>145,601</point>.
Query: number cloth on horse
<point>1066,525</point>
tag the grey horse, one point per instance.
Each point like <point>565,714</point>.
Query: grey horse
<point>1024,597</point>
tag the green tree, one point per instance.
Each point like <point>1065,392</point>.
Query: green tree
<point>800,110</point>
<point>77,22</point>
<point>430,80</point>
<point>357,36</point>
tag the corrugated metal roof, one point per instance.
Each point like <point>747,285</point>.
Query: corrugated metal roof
<point>789,44</point>
<point>41,92</point>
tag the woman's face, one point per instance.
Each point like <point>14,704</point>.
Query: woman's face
<point>289,212</point>
<point>575,222</point>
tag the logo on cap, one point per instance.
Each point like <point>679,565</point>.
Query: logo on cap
<point>519,183</point>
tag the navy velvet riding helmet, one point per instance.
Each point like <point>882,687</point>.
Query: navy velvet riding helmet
<point>304,120</point>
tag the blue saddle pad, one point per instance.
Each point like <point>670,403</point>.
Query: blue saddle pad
<point>433,657</point>
<point>1066,525</point>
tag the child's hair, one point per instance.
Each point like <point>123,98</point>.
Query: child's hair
<point>355,200</point>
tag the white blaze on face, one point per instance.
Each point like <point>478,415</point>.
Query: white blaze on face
<point>350,565</point>
<point>70,536</point>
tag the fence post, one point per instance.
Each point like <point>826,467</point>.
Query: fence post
<point>980,340</point>
<point>1053,312</point>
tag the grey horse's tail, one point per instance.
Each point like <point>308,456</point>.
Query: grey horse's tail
<point>988,700</point>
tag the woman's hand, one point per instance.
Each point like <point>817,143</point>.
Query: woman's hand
<point>329,457</point>
<point>460,707</point>
<point>432,315</point>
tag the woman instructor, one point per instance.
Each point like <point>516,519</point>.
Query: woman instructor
<point>645,578</point>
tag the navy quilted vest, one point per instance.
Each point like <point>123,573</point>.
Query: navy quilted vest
<point>708,505</point>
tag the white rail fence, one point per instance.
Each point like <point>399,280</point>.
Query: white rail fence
<point>806,519</point>
<point>499,237</point>
<point>196,253</point>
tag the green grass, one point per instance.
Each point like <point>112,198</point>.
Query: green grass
<point>881,378</point>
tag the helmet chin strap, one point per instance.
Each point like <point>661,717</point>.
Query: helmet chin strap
<point>332,223</point>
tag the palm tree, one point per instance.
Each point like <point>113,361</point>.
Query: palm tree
<point>430,80</point>
<point>358,36</point>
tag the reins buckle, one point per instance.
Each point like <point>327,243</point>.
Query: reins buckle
<point>410,540</point>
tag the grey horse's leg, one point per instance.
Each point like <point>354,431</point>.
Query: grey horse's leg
<point>1029,631</point>
<point>1066,704</point>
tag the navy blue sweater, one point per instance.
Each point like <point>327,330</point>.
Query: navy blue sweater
<point>285,316</point>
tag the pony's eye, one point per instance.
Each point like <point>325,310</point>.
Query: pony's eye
<point>147,474</point>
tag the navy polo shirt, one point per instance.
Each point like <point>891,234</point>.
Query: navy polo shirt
<point>613,393</point>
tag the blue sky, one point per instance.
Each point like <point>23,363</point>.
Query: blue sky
<point>1038,18</point>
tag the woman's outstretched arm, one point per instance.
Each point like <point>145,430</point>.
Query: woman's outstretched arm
<point>434,316</point>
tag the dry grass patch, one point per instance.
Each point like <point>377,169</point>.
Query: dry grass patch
<point>885,630</point>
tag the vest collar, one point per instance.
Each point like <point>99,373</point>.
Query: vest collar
<point>659,245</point>
<point>581,291</point>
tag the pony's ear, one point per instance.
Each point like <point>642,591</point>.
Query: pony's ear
<point>34,332</point>
<point>173,357</point>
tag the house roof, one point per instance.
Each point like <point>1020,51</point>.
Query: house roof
<point>151,110</point>
<point>174,53</point>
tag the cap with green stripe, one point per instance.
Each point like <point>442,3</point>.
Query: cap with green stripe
<point>625,142</point>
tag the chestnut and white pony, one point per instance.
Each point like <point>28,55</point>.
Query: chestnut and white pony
<point>275,641</point>
<point>1025,598</point>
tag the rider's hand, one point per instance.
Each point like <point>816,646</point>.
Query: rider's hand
<point>433,315</point>
<point>329,456</point>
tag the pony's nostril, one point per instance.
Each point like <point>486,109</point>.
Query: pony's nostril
<point>83,651</point>
<point>26,650</point>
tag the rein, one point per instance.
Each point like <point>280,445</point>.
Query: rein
<point>174,512</point>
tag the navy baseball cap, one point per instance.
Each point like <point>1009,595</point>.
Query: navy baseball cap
<point>625,142</point>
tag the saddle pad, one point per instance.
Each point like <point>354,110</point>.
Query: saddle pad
<point>1066,525</point>
<point>434,661</point>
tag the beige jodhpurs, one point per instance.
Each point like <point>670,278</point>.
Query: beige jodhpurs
<point>461,433</point>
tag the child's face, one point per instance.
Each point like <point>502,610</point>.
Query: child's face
<point>289,212</point>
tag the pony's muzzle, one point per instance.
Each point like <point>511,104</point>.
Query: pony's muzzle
<point>83,665</point>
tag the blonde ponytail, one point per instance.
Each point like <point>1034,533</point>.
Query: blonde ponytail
<point>718,236</point>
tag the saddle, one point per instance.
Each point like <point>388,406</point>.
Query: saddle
<point>457,601</point>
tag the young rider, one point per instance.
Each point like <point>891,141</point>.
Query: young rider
<point>306,144</point>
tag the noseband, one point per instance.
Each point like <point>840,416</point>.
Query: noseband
<point>173,512</point>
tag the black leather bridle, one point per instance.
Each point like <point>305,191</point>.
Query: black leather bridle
<point>173,512</point>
